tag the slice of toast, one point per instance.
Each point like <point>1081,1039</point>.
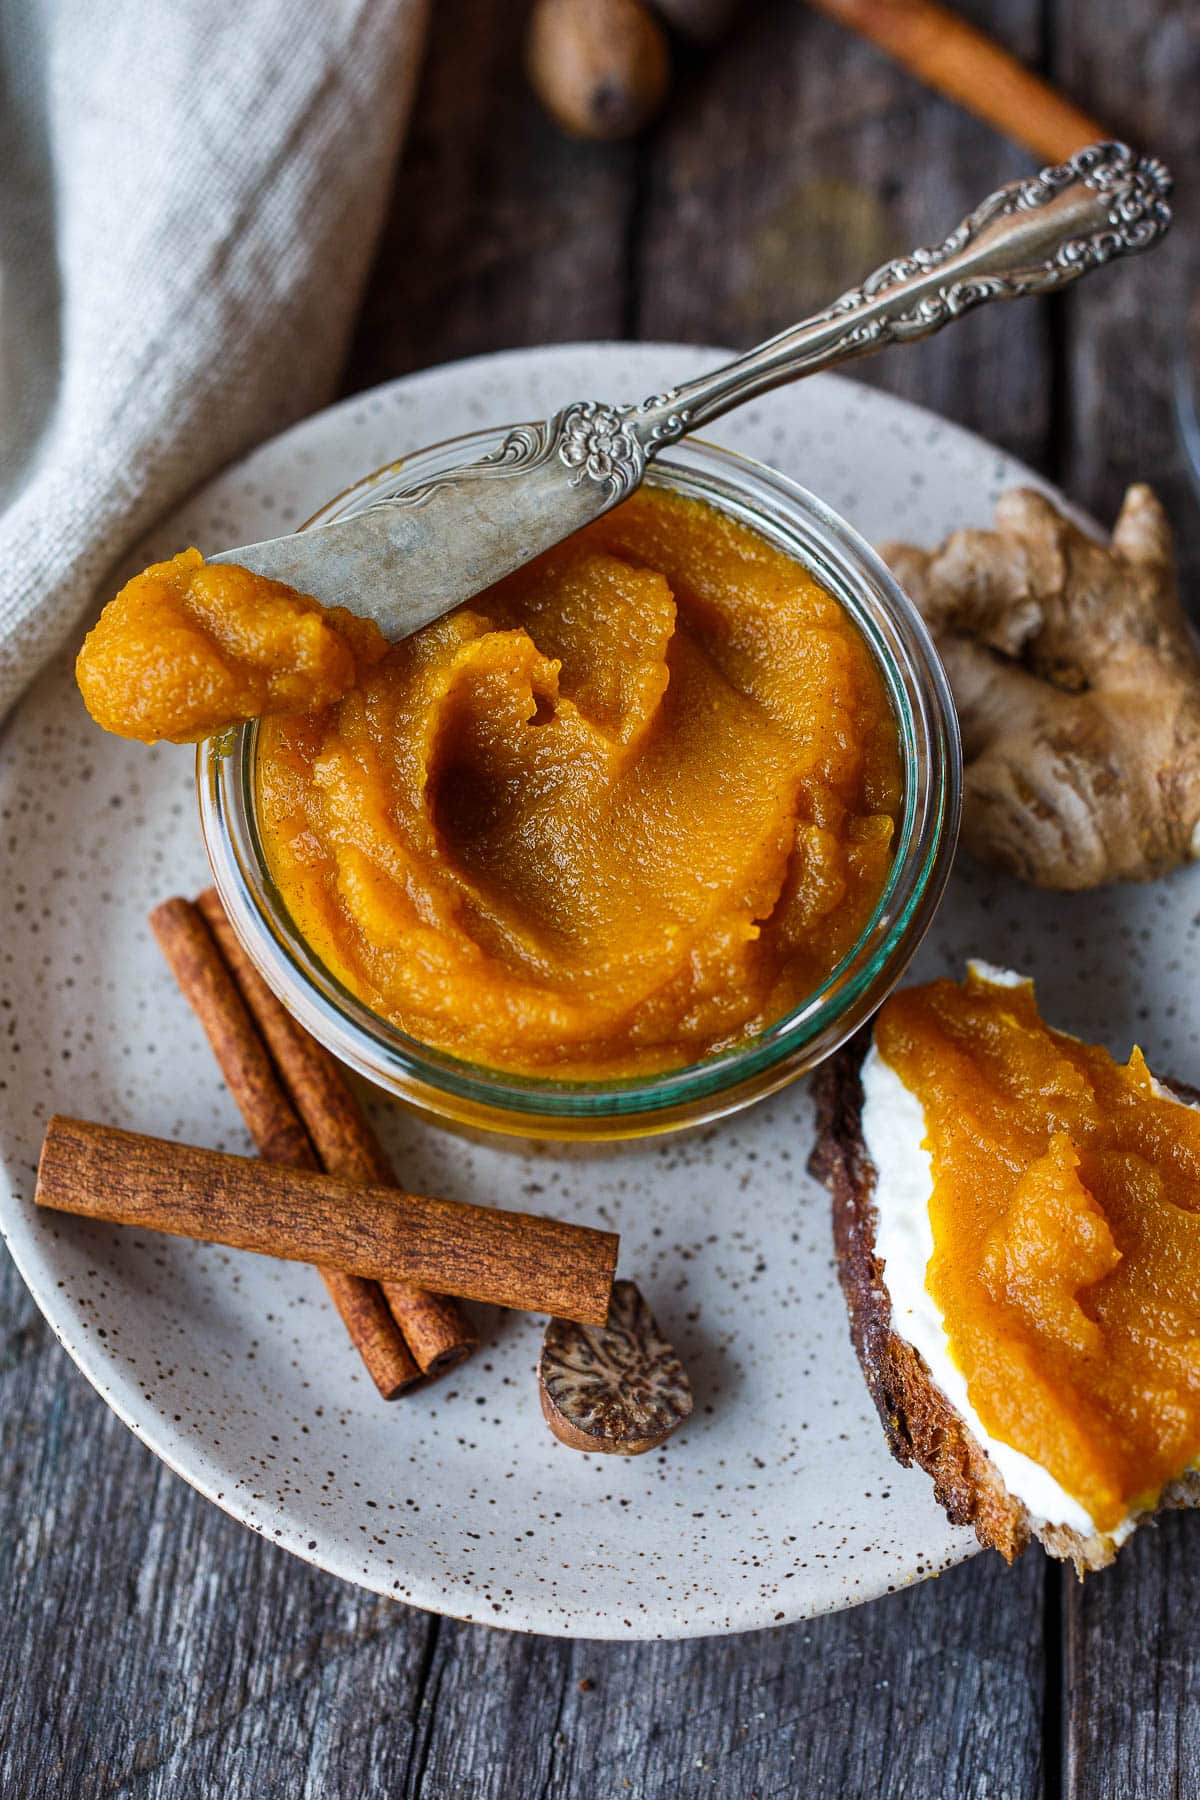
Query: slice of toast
<point>921,1424</point>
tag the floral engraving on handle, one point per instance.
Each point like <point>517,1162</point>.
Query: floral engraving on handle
<point>595,442</point>
<point>611,444</point>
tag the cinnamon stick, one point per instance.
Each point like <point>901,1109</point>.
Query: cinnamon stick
<point>274,1124</point>
<point>947,53</point>
<point>479,1253</point>
<point>438,1332</point>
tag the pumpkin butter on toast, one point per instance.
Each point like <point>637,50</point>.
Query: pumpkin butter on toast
<point>1017,1225</point>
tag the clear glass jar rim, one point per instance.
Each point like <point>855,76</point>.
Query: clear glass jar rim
<point>931,752</point>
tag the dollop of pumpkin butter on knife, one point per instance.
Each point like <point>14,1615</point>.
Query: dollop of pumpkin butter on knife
<point>189,648</point>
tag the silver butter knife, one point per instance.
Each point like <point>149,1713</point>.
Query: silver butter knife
<point>413,555</point>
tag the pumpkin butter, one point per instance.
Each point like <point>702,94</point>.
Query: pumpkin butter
<point>1065,1215</point>
<point>627,807</point>
<point>189,648</point>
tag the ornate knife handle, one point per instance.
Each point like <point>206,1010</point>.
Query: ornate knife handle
<point>420,549</point>
<point>1028,238</point>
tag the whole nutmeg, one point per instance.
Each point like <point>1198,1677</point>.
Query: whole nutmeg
<point>621,1388</point>
<point>600,67</point>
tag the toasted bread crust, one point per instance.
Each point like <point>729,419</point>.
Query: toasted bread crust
<point>920,1423</point>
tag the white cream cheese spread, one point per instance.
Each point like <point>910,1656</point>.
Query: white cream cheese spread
<point>893,1125</point>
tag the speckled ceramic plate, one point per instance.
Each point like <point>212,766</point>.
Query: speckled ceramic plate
<point>779,1499</point>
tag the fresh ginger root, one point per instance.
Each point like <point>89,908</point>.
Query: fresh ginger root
<point>1077,683</point>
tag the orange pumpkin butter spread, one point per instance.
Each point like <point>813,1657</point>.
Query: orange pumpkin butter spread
<point>189,648</point>
<point>1066,1228</point>
<point>625,808</point>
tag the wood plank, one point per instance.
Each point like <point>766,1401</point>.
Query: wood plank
<point>1138,67</point>
<point>1133,1670</point>
<point>502,231</point>
<point>800,158</point>
<point>936,1692</point>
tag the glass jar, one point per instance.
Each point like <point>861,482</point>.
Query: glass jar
<point>1185,381</point>
<point>537,1106</point>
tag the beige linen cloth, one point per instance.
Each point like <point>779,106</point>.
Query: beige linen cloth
<point>190,192</point>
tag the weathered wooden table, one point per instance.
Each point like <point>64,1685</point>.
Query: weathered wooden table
<point>150,1646</point>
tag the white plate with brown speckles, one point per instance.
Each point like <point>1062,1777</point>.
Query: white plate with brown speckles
<point>779,1499</point>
